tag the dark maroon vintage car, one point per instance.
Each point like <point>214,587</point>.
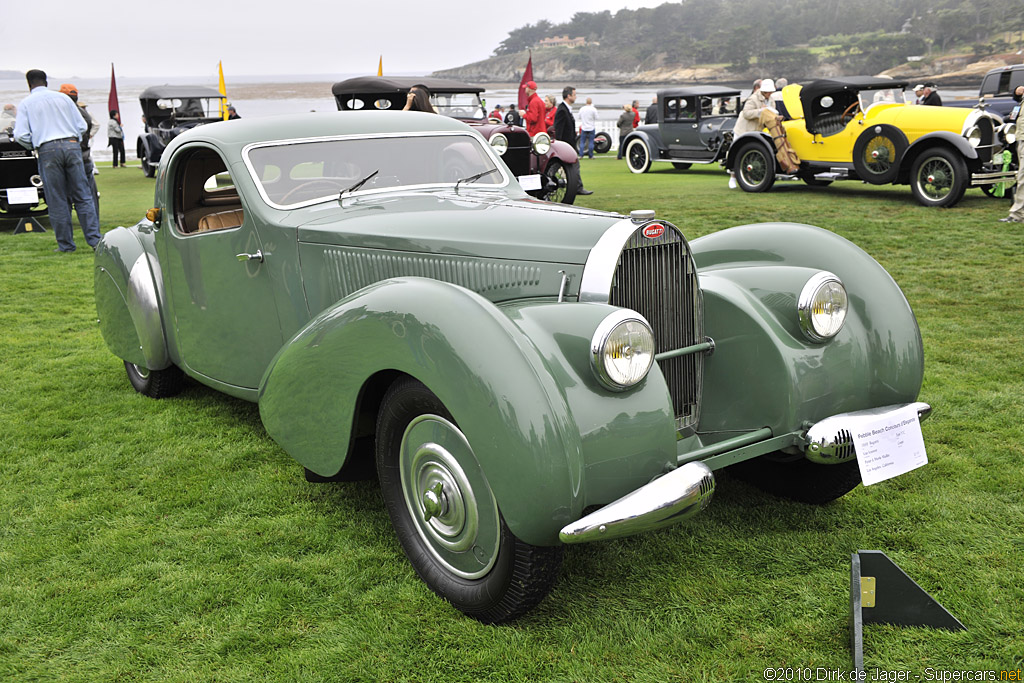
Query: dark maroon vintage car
<point>546,168</point>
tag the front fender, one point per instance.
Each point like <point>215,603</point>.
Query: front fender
<point>563,151</point>
<point>751,277</point>
<point>480,364</point>
<point>958,142</point>
<point>651,137</point>
<point>127,287</point>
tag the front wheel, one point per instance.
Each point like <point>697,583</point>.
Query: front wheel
<point>155,383</point>
<point>754,168</point>
<point>566,178</point>
<point>602,143</point>
<point>797,478</point>
<point>939,177</point>
<point>446,517</point>
<point>638,156</point>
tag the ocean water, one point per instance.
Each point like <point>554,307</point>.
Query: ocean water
<point>272,95</point>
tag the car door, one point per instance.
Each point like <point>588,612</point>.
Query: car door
<point>218,285</point>
<point>681,130</point>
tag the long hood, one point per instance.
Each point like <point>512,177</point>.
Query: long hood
<point>466,224</point>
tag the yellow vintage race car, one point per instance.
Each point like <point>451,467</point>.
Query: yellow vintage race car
<point>862,128</point>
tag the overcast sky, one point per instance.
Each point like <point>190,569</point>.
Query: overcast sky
<point>257,37</point>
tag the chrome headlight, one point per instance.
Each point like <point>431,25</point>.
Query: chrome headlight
<point>822,306</point>
<point>541,143</point>
<point>1008,132</point>
<point>500,143</point>
<point>622,350</point>
<point>973,136</point>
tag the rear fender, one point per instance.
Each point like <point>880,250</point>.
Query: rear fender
<point>478,362</point>
<point>127,283</point>
<point>764,138</point>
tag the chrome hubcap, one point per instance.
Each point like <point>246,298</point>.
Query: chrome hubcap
<point>448,497</point>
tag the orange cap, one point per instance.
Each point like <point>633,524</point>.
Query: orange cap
<point>67,88</point>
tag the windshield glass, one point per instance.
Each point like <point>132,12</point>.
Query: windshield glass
<point>881,96</point>
<point>459,105</point>
<point>294,174</point>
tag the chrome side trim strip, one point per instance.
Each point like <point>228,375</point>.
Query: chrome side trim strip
<point>144,307</point>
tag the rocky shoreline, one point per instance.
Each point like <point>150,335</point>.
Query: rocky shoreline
<point>554,66</point>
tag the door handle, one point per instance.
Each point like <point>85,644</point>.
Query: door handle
<point>258,256</point>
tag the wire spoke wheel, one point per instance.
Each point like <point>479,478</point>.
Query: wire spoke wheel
<point>879,154</point>
<point>936,179</point>
<point>753,167</point>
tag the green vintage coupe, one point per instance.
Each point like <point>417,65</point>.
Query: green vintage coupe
<point>522,375</point>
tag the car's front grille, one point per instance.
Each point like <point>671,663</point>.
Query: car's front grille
<point>517,156</point>
<point>988,135</point>
<point>658,279</point>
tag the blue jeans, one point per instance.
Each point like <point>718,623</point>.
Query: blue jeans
<point>60,164</point>
<point>587,142</point>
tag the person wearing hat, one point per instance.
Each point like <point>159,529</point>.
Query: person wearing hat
<point>71,91</point>
<point>751,114</point>
<point>926,94</point>
<point>232,114</point>
<point>534,112</point>
<point>50,123</point>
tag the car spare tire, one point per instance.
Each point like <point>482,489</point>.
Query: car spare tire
<point>877,153</point>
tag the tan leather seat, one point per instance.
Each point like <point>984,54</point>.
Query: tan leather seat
<point>221,220</point>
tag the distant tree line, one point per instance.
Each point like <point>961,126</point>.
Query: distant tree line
<point>785,36</point>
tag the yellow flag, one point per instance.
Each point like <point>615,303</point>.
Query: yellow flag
<point>224,92</point>
<point>380,66</point>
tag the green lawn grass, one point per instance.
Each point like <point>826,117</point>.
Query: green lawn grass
<point>173,540</point>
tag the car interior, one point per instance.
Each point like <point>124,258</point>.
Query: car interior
<point>830,113</point>
<point>203,202</point>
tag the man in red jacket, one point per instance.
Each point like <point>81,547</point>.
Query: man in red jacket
<point>533,115</point>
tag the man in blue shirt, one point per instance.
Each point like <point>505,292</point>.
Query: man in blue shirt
<point>49,122</point>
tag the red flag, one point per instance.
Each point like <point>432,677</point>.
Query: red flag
<point>527,77</point>
<point>112,104</point>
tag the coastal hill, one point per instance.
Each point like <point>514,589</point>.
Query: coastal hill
<point>952,42</point>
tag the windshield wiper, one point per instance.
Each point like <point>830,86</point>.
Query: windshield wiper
<point>355,187</point>
<point>477,176</point>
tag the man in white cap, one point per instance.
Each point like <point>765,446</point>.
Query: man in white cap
<point>918,92</point>
<point>751,113</point>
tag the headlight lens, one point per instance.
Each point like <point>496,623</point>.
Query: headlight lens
<point>500,143</point>
<point>541,143</point>
<point>973,136</point>
<point>622,350</point>
<point>822,306</point>
<point>1009,131</point>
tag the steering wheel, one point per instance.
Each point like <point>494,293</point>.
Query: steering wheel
<point>310,183</point>
<point>851,111</point>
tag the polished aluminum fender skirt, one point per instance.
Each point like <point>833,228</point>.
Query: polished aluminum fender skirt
<point>674,497</point>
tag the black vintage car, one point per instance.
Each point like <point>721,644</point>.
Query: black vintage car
<point>545,168</point>
<point>694,127</point>
<point>21,187</point>
<point>168,111</point>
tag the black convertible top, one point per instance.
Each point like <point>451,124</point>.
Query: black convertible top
<point>828,86</point>
<point>388,85</point>
<point>159,92</point>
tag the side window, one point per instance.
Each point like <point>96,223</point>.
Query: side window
<point>671,109</point>
<point>706,106</point>
<point>687,110</point>
<point>1016,79</point>
<point>206,198</point>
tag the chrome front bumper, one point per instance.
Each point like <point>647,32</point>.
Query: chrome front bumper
<point>830,441</point>
<point>672,498</point>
